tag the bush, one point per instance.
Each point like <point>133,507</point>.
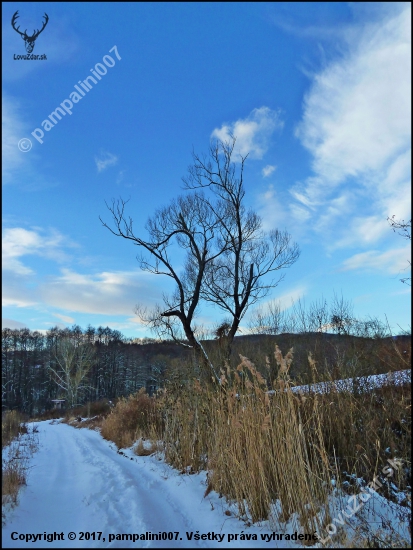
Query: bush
<point>130,419</point>
<point>12,424</point>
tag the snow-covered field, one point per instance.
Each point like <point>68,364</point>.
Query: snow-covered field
<point>362,383</point>
<point>79,486</point>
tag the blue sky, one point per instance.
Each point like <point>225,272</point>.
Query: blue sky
<point>317,93</point>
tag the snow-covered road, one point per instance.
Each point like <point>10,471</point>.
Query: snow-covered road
<point>78,483</point>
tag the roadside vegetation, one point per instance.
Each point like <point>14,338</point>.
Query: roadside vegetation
<point>18,443</point>
<point>264,443</point>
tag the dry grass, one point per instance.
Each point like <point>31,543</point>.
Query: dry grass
<point>13,477</point>
<point>130,419</point>
<point>17,445</point>
<point>283,447</point>
<point>12,425</point>
<point>92,415</point>
<point>52,414</point>
<point>362,429</point>
<point>262,451</point>
<point>146,449</point>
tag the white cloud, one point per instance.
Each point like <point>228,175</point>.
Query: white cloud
<point>19,242</point>
<point>299,213</point>
<point>357,113</point>
<point>392,261</point>
<point>273,213</point>
<point>14,293</point>
<point>356,124</point>
<point>64,318</point>
<point>286,300</point>
<point>106,160</point>
<point>253,133</point>
<point>13,130</point>
<point>105,293</point>
<point>111,293</point>
<point>120,177</point>
<point>268,170</point>
<point>364,231</point>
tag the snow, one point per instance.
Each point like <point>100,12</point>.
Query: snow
<point>362,383</point>
<point>79,482</point>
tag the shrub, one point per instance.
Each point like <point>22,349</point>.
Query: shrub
<point>130,419</point>
<point>12,424</point>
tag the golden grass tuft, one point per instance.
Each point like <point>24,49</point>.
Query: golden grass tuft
<point>130,419</point>
<point>141,450</point>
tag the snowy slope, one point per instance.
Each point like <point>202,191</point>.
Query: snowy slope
<point>361,383</point>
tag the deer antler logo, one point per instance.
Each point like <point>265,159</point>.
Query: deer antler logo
<point>29,41</point>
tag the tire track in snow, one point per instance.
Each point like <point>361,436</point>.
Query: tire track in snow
<point>120,485</point>
<point>77,482</point>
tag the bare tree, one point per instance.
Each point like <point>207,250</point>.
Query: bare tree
<point>242,273</point>
<point>404,229</point>
<point>228,256</point>
<point>341,315</point>
<point>73,363</point>
<point>189,223</point>
<point>270,320</point>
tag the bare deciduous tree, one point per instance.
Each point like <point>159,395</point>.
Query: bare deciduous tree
<point>242,273</point>
<point>228,255</point>
<point>73,363</point>
<point>189,223</point>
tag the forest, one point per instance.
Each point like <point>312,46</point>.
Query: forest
<point>76,365</point>
<point>88,365</point>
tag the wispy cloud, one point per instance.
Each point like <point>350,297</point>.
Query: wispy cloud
<point>268,170</point>
<point>271,209</point>
<point>120,176</point>
<point>13,129</point>
<point>64,318</point>
<point>357,113</point>
<point>253,133</point>
<point>103,293</point>
<point>392,261</point>
<point>356,124</point>
<point>286,300</point>
<point>106,159</point>
<point>110,293</point>
<point>106,292</point>
<point>18,242</point>
<point>11,323</point>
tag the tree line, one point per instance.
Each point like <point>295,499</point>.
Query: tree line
<point>76,365</point>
